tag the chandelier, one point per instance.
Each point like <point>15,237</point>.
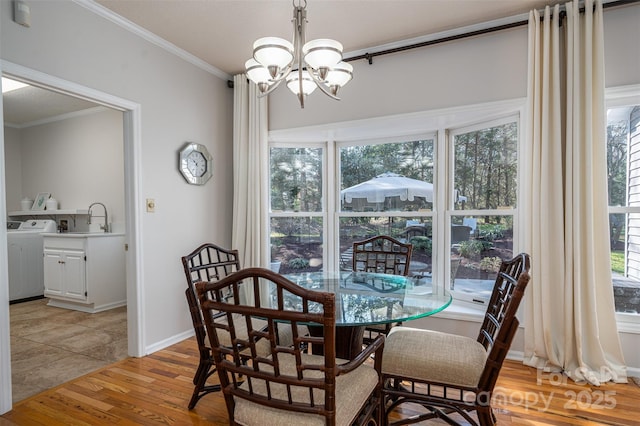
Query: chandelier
<point>304,66</point>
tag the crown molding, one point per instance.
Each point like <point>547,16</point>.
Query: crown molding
<point>151,37</point>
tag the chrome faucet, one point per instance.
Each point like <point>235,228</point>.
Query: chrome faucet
<point>104,227</point>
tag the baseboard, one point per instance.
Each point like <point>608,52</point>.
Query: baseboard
<point>177,338</point>
<point>519,356</point>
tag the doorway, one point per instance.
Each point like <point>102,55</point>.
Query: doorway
<point>131,142</point>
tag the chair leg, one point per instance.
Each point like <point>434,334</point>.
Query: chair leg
<point>486,416</point>
<point>204,371</point>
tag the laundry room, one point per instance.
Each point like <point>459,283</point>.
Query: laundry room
<point>66,234</point>
<point>64,173</point>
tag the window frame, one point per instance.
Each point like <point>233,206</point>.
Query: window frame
<point>450,210</point>
<point>323,213</point>
<point>402,128</point>
<point>619,97</point>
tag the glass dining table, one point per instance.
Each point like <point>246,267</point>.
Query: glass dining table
<point>364,299</point>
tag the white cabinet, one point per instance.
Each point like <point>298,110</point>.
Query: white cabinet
<point>65,273</point>
<point>85,272</point>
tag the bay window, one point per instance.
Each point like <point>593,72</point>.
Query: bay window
<point>450,190</point>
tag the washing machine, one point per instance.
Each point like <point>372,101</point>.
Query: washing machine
<point>26,272</point>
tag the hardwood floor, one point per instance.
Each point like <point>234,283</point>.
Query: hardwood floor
<point>155,390</point>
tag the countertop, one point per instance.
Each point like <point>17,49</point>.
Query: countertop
<point>82,234</point>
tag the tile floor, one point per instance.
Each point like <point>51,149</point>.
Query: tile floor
<point>50,346</point>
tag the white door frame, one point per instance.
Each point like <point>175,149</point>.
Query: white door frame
<point>132,171</point>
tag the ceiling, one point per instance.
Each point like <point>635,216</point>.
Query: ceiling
<point>32,105</point>
<point>221,32</point>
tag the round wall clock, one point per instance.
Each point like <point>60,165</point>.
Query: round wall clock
<point>196,164</point>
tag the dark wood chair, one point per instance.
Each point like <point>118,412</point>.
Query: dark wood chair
<point>382,254</point>
<point>287,386</point>
<point>208,262</point>
<point>450,374</point>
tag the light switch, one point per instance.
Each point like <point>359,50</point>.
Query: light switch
<point>151,205</point>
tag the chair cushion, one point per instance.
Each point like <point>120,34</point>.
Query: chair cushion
<point>433,356</point>
<point>352,390</point>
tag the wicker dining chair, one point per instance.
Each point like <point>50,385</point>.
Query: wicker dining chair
<point>288,385</point>
<point>450,374</point>
<point>383,254</point>
<point>208,262</point>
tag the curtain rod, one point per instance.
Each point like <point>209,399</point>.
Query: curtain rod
<point>369,56</point>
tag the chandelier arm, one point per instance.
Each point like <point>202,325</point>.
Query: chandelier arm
<point>321,84</point>
<point>298,41</point>
<point>270,89</point>
<point>300,92</point>
<point>283,74</point>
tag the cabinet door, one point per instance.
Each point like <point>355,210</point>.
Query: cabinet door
<point>53,271</point>
<point>75,275</point>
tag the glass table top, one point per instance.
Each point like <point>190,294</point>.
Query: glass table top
<point>364,298</point>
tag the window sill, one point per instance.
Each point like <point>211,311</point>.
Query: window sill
<point>468,311</point>
<point>628,323</point>
<point>464,311</point>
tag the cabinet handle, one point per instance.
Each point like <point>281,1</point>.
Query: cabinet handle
<point>61,262</point>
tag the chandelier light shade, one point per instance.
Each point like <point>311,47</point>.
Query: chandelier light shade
<point>308,85</point>
<point>322,53</point>
<point>304,66</point>
<point>273,53</point>
<point>338,76</point>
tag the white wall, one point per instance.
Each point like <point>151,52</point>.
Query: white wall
<point>78,160</point>
<point>179,102</point>
<point>13,168</point>
<point>476,70</point>
<point>481,69</point>
<point>471,71</point>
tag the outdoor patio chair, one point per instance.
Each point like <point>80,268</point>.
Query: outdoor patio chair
<point>286,386</point>
<point>386,255</point>
<point>416,231</point>
<point>472,223</point>
<point>450,374</point>
<point>460,233</point>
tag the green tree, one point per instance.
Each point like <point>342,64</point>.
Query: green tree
<point>617,163</point>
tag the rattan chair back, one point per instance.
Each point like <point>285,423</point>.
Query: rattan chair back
<point>208,262</point>
<point>288,379</point>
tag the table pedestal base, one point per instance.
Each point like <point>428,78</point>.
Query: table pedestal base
<point>348,341</point>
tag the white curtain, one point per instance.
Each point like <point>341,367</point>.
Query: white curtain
<point>570,316</point>
<point>250,174</point>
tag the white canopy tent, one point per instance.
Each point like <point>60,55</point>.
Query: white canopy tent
<point>388,184</point>
<point>385,185</point>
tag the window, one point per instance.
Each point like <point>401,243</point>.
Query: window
<point>623,163</point>
<point>449,190</point>
<point>484,178</point>
<point>297,217</point>
<point>387,188</point>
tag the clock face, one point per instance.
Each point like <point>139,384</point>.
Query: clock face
<point>195,163</point>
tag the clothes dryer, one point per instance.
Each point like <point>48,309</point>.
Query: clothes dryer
<point>26,272</point>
